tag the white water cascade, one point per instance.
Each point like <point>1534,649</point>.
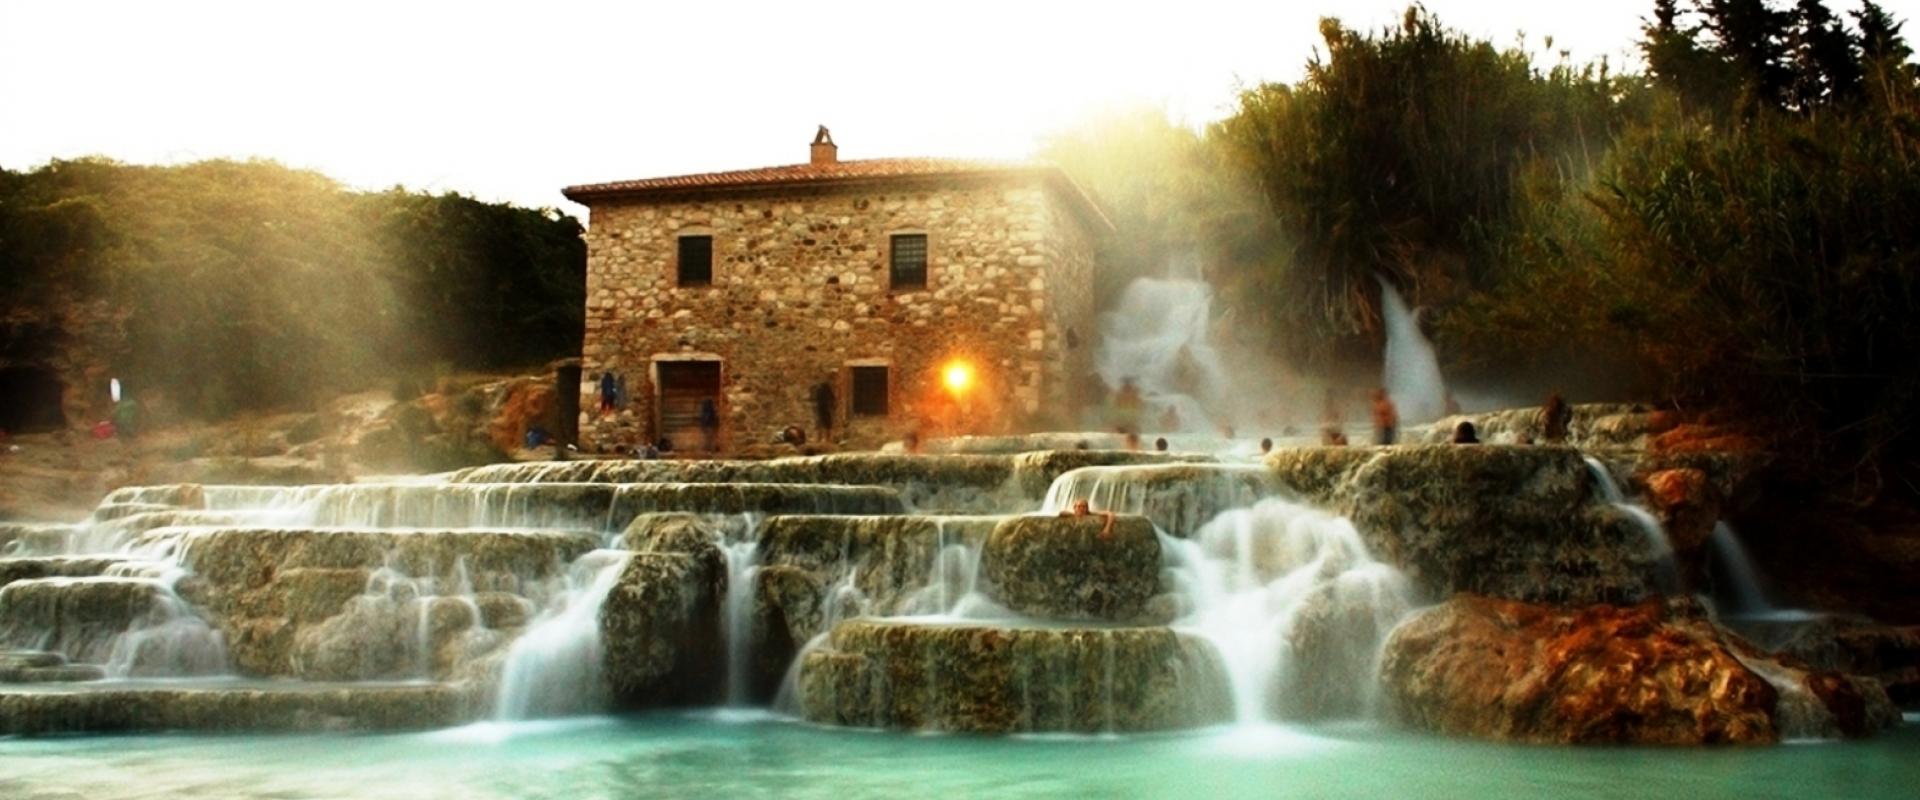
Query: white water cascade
<point>742,548</point>
<point>171,640</point>
<point>1412,372</point>
<point>1295,605</point>
<point>1158,338</point>
<point>1667,569</point>
<point>1736,580</point>
<point>554,669</point>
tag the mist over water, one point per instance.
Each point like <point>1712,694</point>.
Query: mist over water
<point>1159,338</point>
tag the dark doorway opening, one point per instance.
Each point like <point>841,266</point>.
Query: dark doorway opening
<point>684,387</point>
<point>30,400</point>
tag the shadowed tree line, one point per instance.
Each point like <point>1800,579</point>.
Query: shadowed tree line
<point>249,285</point>
<point>1733,222</point>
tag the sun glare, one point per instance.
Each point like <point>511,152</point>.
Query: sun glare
<point>958,376</point>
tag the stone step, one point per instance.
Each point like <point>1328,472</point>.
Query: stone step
<point>943,483</point>
<point>998,679</point>
<point>33,538</point>
<point>35,666</point>
<point>258,707</point>
<point>177,495</point>
<point>1087,568</point>
<point>1179,498</point>
<point>110,511</point>
<point>579,506</point>
<point>305,602</point>
<point>78,617</point>
<point>22,568</point>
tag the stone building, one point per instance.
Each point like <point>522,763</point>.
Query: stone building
<point>930,295</point>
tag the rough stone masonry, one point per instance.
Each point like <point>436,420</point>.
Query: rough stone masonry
<point>801,288</point>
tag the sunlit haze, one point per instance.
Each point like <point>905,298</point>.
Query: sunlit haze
<point>512,101</point>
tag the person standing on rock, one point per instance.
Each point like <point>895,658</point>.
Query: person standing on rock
<point>1555,418</point>
<point>1126,407</point>
<point>709,425</point>
<point>1331,433</point>
<point>1386,418</point>
<point>823,404</point>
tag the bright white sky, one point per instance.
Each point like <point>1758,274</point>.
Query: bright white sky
<point>511,101</point>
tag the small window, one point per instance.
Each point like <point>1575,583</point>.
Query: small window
<point>909,261</point>
<point>869,391</point>
<point>696,261</point>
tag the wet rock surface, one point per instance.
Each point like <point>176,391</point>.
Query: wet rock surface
<point>1646,674</point>
<point>288,708</point>
<point>1178,498</point>
<point>346,603</point>
<point>879,674</point>
<point>33,666</point>
<point>954,483</point>
<point>1073,568</point>
<point>816,570</point>
<point>31,568</point>
<point>1592,425</point>
<point>1850,645</point>
<point>31,538</point>
<point>580,506</point>
<point>661,629</point>
<point>1516,522</point>
<point>79,617</point>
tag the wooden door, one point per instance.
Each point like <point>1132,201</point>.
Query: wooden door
<point>684,386</point>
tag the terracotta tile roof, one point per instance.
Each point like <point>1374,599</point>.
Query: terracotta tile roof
<point>834,174</point>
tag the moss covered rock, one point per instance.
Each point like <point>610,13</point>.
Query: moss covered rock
<point>1073,568</point>
<point>233,710</point>
<point>276,593</point>
<point>1525,523</point>
<point>1646,674</point>
<point>882,674</point>
<point>661,629</point>
<point>815,570</point>
<point>1178,498</point>
<point>79,617</point>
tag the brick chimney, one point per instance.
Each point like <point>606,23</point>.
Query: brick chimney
<point>824,150</point>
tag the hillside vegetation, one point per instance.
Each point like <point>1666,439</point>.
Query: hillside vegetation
<point>1733,223</point>
<point>249,285</point>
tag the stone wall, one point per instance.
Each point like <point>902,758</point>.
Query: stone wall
<point>800,291</point>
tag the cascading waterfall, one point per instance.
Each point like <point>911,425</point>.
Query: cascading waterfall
<point>1412,372</point>
<point>170,640</point>
<point>554,668</point>
<point>1157,337</point>
<point>741,544</point>
<point>1667,569</point>
<point>1295,605</point>
<point>1179,498</point>
<point>1736,580</point>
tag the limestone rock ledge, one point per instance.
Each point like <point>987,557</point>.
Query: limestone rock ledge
<point>1061,568</point>
<point>1646,674</point>
<point>972,678</point>
<point>1524,523</point>
<point>662,632</point>
<point>249,709</point>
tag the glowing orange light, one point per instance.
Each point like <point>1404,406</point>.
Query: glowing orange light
<point>958,376</point>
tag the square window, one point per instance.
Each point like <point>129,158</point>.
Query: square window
<point>696,261</point>
<point>869,391</point>
<point>909,261</point>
